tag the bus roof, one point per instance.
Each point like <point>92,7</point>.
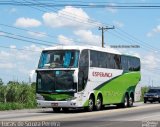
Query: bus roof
<point>76,47</point>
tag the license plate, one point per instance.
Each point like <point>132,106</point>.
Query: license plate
<point>150,98</point>
<point>54,104</point>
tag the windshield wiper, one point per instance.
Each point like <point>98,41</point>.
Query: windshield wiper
<point>70,90</point>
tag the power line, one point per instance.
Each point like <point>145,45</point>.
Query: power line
<point>27,30</point>
<point>120,6</point>
<point>92,21</point>
<point>126,33</point>
<point>28,37</point>
<point>48,35</point>
<point>137,40</point>
<point>29,41</point>
<point>70,17</point>
<point>132,41</point>
<point>103,29</point>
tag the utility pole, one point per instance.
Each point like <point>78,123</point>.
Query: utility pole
<point>152,83</point>
<point>103,29</point>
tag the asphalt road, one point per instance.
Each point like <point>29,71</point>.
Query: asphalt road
<point>141,115</point>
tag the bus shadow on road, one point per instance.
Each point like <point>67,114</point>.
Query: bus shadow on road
<point>81,110</point>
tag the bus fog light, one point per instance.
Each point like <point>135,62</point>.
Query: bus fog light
<point>72,103</point>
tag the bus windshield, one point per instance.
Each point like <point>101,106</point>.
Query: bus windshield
<point>59,59</point>
<point>54,81</point>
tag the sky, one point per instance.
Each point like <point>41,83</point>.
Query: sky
<point>26,30</point>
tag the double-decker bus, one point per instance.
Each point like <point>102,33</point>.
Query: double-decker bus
<point>85,77</point>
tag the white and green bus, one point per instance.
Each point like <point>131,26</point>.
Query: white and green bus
<point>86,77</point>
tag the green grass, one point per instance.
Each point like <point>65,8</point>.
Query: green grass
<point>15,95</point>
<point>15,106</point>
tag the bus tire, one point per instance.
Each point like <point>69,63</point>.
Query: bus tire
<point>126,101</point>
<point>57,109</point>
<point>130,101</point>
<point>90,104</point>
<point>99,103</point>
<point>125,104</point>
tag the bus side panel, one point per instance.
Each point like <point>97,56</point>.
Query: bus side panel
<point>113,91</point>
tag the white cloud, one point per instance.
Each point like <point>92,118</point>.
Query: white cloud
<point>150,61</point>
<point>65,40</point>
<point>27,22</point>
<point>33,47</point>
<point>1,33</point>
<point>4,54</point>
<point>7,65</point>
<point>118,24</point>
<point>111,8</point>
<point>86,36</point>
<point>37,34</point>
<point>154,31</point>
<point>68,17</point>
<point>12,46</point>
<point>19,62</point>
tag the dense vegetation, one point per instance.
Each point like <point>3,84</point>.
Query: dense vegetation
<point>15,95</point>
<point>143,91</point>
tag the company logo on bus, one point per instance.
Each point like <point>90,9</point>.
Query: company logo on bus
<point>101,74</point>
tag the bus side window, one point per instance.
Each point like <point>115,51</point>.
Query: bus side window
<point>117,61</point>
<point>124,62</point>
<point>83,70</point>
<point>94,59</point>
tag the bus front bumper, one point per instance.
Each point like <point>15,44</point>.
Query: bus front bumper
<point>51,104</point>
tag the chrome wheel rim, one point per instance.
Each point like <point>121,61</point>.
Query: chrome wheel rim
<point>90,104</point>
<point>130,101</point>
<point>125,102</point>
<point>98,103</point>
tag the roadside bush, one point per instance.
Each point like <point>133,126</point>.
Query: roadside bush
<point>143,91</point>
<point>16,95</point>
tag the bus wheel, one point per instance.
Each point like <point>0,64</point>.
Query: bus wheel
<point>56,110</point>
<point>90,104</point>
<point>126,102</point>
<point>99,103</point>
<point>130,102</point>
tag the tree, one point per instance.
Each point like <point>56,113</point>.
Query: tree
<point>143,91</point>
<point>1,82</point>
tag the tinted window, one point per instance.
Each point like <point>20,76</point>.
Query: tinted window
<point>117,60</point>
<point>154,91</point>
<point>93,59</point>
<point>83,70</point>
<point>105,60</point>
<point>130,63</point>
<point>114,61</point>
